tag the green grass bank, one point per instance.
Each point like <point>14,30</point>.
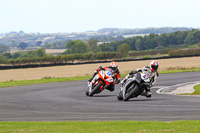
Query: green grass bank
<point>101,127</point>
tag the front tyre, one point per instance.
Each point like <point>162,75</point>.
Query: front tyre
<point>119,96</point>
<point>87,93</point>
<point>95,89</point>
<point>133,91</point>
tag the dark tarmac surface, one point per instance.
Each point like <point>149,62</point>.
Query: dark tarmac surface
<point>66,101</point>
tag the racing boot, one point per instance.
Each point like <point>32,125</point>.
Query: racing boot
<point>148,92</point>
<point>143,93</point>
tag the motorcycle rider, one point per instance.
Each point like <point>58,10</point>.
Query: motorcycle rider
<point>153,75</point>
<point>116,75</point>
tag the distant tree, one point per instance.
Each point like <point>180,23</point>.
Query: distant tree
<point>41,52</point>
<point>92,42</point>
<point>123,49</point>
<point>193,37</point>
<point>131,42</point>
<point>163,40</point>
<point>181,35</point>
<point>115,44</point>
<point>2,59</point>
<point>48,46</point>
<point>23,45</point>
<point>38,43</point>
<point>16,55</point>
<point>76,46</point>
<point>93,45</point>
<point>59,44</point>
<point>150,41</point>
<point>139,44</point>
<point>4,48</point>
<point>8,55</point>
<point>105,47</point>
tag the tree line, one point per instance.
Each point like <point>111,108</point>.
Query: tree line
<point>94,50</point>
<point>178,39</point>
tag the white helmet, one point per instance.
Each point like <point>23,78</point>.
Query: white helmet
<point>154,65</point>
<point>114,66</point>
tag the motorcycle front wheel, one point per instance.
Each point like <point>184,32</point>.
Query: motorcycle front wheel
<point>133,91</point>
<point>95,89</point>
<point>119,96</point>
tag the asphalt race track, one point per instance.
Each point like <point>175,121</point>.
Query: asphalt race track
<point>66,101</point>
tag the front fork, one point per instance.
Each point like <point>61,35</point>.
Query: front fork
<point>90,85</point>
<point>125,90</point>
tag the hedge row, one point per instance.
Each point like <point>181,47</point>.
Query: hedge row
<point>64,58</point>
<point>184,52</point>
<point>154,52</point>
<point>71,58</point>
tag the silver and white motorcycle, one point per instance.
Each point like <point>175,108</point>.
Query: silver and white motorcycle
<point>134,86</point>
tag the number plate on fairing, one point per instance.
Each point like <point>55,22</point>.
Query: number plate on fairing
<point>108,73</point>
<point>145,77</point>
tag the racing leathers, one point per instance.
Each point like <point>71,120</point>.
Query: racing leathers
<point>153,75</point>
<point>116,76</point>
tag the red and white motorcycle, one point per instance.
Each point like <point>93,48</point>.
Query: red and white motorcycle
<point>101,81</point>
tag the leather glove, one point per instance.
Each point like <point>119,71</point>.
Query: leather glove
<point>100,67</point>
<point>138,71</point>
<point>131,73</point>
<point>97,69</point>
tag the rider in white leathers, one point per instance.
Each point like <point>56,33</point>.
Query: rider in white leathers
<point>152,72</point>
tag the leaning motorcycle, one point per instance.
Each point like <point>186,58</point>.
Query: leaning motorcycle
<point>134,86</point>
<point>100,82</point>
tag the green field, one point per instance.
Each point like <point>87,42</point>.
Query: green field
<point>50,80</point>
<point>101,127</point>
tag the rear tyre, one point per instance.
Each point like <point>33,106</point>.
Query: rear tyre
<point>95,89</point>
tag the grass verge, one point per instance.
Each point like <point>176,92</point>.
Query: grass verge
<point>101,127</point>
<point>40,81</point>
<point>196,91</point>
<point>50,80</point>
<point>179,71</point>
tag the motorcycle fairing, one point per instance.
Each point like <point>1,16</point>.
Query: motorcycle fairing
<point>130,81</point>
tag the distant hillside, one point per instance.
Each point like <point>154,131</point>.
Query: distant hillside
<point>118,31</point>
<point>13,39</point>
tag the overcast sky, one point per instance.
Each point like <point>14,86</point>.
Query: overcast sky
<point>53,16</point>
